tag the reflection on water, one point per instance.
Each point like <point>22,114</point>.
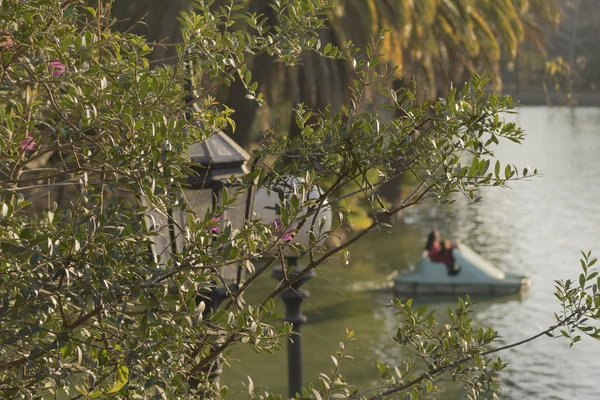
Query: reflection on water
<point>536,228</point>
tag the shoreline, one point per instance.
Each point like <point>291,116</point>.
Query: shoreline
<point>554,99</point>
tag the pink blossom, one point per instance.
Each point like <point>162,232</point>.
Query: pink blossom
<point>214,228</point>
<point>28,143</point>
<point>56,67</point>
<point>286,236</point>
<point>6,41</point>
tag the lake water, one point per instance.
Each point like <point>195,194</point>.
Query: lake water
<point>535,228</point>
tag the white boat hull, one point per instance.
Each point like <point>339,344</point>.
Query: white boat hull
<point>459,289</point>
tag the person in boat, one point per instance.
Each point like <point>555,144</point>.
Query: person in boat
<point>433,246</point>
<point>441,251</point>
<point>445,256</point>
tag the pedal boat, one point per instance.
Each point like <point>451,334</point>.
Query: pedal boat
<point>477,276</point>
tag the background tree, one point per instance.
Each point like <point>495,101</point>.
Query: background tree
<point>575,42</point>
<point>434,42</point>
<point>560,57</point>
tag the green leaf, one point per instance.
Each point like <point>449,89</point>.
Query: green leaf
<point>35,257</point>
<point>234,252</point>
<point>91,10</point>
<point>474,168</point>
<point>122,379</point>
<point>373,63</point>
<point>483,166</point>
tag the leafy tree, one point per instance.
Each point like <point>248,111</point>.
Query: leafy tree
<point>87,312</point>
<point>432,41</point>
<point>574,42</point>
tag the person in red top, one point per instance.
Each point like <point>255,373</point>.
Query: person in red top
<point>433,246</point>
<point>441,251</point>
<point>447,258</point>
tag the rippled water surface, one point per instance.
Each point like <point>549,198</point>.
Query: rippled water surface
<point>536,228</point>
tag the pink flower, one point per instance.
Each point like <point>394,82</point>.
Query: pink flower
<point>214,228</point>
<point>28,143</point>
<point>56,67</point>
<point>6,41</point>
<point>286,236</point>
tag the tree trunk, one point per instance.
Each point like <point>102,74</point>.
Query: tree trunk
<point>246,109</point>
<point>261,68</point>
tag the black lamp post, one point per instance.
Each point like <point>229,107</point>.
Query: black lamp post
<point>295,295</point>
<point>292,298</point>
<point>215,159</point>
<point>218,158</point>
